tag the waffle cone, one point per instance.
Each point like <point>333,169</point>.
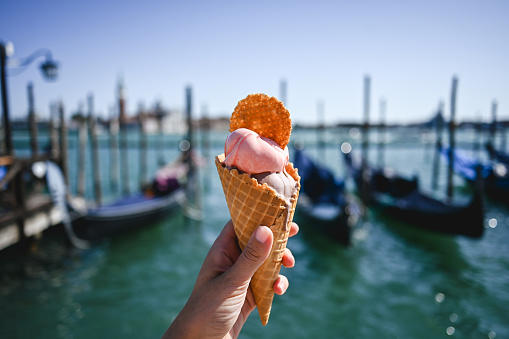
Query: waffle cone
<point>252,205</point>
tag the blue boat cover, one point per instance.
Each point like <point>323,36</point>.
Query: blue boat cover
<point>466,165</point>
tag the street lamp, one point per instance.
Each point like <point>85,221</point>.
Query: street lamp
<point>49,69</point>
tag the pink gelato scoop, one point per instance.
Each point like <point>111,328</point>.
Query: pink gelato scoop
<point>253,154</point>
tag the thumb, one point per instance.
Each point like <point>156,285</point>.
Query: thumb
<point>253,256</point>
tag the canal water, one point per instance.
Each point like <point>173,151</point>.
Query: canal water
<point>393,282</point>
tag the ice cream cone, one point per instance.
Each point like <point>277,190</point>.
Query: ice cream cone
<point>252,205</point>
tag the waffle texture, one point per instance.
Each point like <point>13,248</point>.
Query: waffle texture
<point>264,115</point>
<point>252,205</point>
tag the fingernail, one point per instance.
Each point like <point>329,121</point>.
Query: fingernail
<point>262,234</point>
<point>282,286</point>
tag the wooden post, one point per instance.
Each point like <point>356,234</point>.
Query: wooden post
<point>124,161</point>
<point>381,135</point>
<point>8,147</point>
<point>113,136</point>
<point>143,149</point>
<point>82,149</point>
<point>189,130</point>
<point>18,187</point>
<point>159,136</point>
<point>365,138</point>
<point>365,126</point>
<point>205,132</point>
<point>53,132</point>
<point>96,168</point>
<point>478,133</point>
<point>439,119</point>
<point>503,139</point>
<point>161,160</point>
<point>452,127</point>
<point>32,121</point>
<point>63,144</point>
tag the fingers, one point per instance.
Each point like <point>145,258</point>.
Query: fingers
<point>288,259</point>
<point>255,253</point>
<point>294,229</point>
<point>228,232</point>
<point>253,256</point>
<point>280,285</point>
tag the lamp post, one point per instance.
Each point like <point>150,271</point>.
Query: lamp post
<point>49,69</point>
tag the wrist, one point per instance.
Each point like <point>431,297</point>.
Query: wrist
<point>186,325</point>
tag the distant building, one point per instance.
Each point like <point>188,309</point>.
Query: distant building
<point>161,120</point>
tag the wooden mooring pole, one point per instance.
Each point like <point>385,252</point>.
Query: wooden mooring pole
<point>438,145</point>
<point>503,138</point>
<point>96,168</point>
<point>143,149</point>
<point>124,151</point>
<point>113,138</point>
<point>190,136</point>
<point>82,148</point>
<point>452,128</point>
<point>194,198</point>
<point>161,159</point>
<point>205,131</point>
<point>8,147</point>
<point>478,133</point>
<point>32,121</point>
<point>365,138</point>
<point>64,149</point>
<point>53,132</point>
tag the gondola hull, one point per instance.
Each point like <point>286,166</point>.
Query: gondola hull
<point>126,214</point>
<point>401,199</point>
<point>330,219</point>
<point>426,213</point>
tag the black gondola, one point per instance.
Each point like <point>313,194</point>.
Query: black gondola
<point>323,202</point>
<point>400,198</point>
<point>130,212</point>
<point>166,194</point>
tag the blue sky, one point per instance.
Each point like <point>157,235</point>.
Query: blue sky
<point>228,49</point>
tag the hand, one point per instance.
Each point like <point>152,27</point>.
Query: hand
<point>221,300</point>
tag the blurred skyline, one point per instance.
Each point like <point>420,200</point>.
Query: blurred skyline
<point>226,50</point>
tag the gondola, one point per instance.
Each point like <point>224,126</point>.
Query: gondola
<point>323,202</point>
<point>134,211</point>
<point>167,193</point>
<point>401,199</point>
<point>495,175</point>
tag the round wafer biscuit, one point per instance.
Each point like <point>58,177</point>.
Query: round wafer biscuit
<point>264,115</point>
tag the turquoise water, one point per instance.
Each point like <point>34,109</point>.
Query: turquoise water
<point>393,282</point>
